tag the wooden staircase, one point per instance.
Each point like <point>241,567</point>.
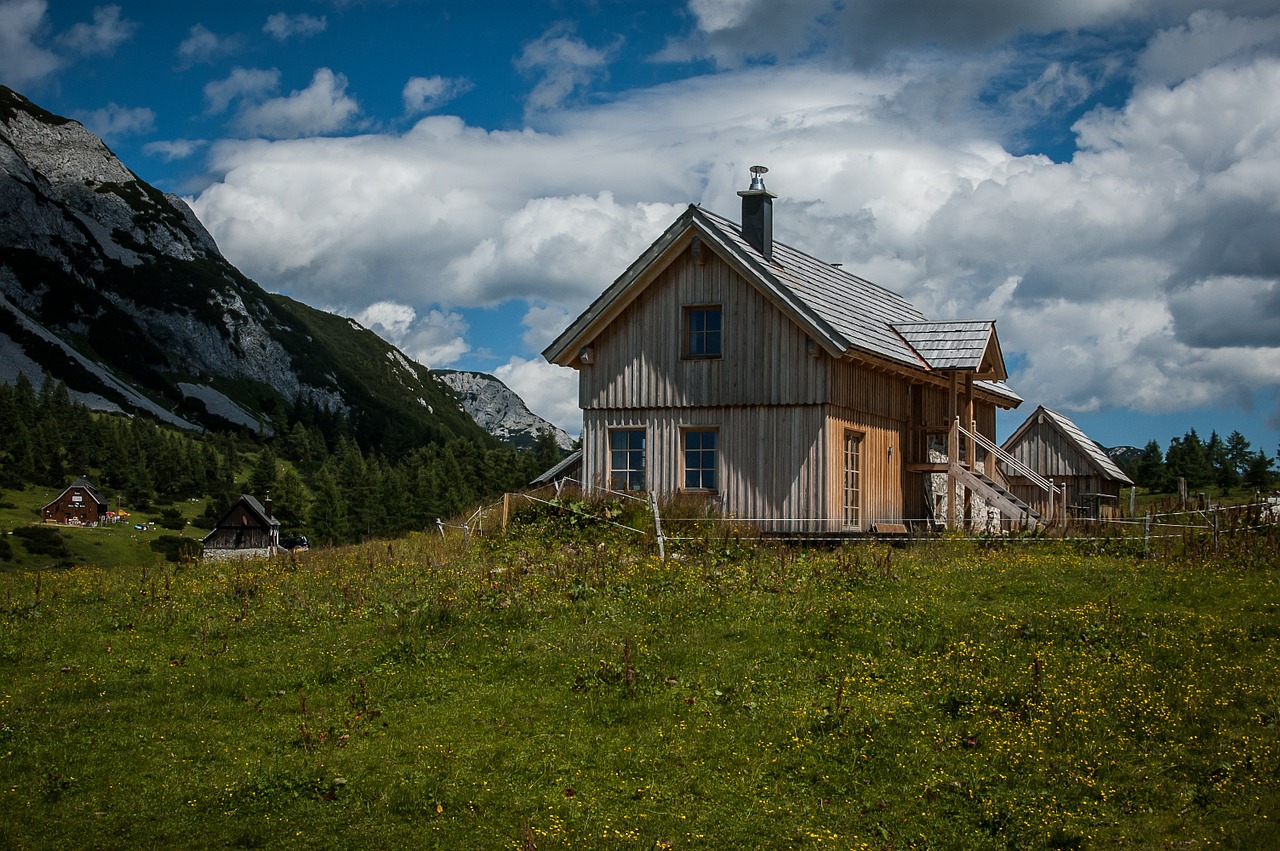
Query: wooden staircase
<point>998,496</point>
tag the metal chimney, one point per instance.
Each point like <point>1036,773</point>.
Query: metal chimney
<point>757,213</point>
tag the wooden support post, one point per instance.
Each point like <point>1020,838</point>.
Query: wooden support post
<point>506,509</point>
<point>657,526</point>
<point>953,458</point>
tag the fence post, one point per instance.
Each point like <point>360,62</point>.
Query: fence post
<point>1146,535</point>
<point>657,526</point>
<point>440,526</point>
<point>506,508</point>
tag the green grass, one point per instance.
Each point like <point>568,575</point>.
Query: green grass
<point>109,546</point>
<point>565,688</point>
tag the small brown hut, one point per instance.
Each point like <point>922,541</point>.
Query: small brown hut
<point>247,530</point>
<point>78,505</point>
<point>1056,448</point>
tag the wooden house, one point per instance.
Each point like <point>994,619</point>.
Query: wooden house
<point>246,530</point>
<point>793,393</point>
<point>78,505</point>
<point>1053,446</point>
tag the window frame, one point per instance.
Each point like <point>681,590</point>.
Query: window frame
<point>702,470</point>
<point>628,472</point>
<point>690,351</point>
<point>851,512</point>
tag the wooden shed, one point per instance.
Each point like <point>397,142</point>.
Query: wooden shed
<point>78,505</point>
<point>789,391</point>
<point>1053,446</point>
<point>246,530</point>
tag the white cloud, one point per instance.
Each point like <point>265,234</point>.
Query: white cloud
<point>1207,38</point>
<point>203,45</point>
<point>22,60</point>
<point>322,107</point>
<point>437,339</point>
<point>1102,270</point>
<point>733,32</point>
<point>549,391</point>
<point>251,83</point>
<point>564,64</point>
<point>114,121</point>
<point>101,38</point>
<point>427,94</point>
<point>171,150</point>
<point>282,26</point>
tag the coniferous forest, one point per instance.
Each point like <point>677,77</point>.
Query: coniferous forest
<point>322,482</point>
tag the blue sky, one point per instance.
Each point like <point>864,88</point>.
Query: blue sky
<point>1101,178</point>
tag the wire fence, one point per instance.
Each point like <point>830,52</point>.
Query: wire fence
<point>679,522</point>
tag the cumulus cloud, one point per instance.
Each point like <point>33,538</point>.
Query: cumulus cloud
<point>251,83</point>
<point>427,94</point>
<point>436,339</point>
<point>101,38</point>
<point>734,32</point>
<point>1102,270</point>
<point>171,150</point>
<point>549,391</point>
<point>1207,38</point>
<point>203,45</point>
<point>114,121</point>
<point>563,63</point>
<point>22,60</point>
<point>322,107</point>
<point>282,26</point>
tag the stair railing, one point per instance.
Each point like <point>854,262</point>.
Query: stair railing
<point>1017,466</point>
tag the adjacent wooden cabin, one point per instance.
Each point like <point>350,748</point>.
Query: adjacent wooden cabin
<point>1056,448</point>
<point>246,530</point>
<point>794,394</point>
<point>78,505</point>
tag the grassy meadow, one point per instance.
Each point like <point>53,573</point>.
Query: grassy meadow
<point>560,686</point>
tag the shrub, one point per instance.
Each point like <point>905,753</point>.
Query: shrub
<point>176,548</point>
<point>42,541</point>
<point>171,518</point>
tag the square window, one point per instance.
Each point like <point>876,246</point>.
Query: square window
<point>702,332</point>
<point>700,459</point>
<point>626,459</point>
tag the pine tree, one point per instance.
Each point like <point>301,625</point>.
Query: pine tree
<point>262,480</point>
<point>1149,469</point>
<point>1258,474</point>
<point>1238,451</point>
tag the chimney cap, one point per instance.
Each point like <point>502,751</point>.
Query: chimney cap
<point>757,183</point>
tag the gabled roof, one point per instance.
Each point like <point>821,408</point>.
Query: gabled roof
<point>1074,435</point>
<point>83,484</point>
<point>562,466</point>
<point>844,314</point>
<point>970,346</point>
<point>253,508</point>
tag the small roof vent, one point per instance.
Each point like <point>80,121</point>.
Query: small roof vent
<point>757,176</point>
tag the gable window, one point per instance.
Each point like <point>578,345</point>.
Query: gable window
<point>626,459</point>
<point>700,459</point>
<point>702,331</point>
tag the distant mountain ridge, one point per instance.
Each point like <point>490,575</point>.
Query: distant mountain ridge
<point>118,290</point>
<point>498,410</point>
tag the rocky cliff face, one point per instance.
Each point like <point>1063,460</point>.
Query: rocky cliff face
<point>499,411</point>
<point>117,289</point>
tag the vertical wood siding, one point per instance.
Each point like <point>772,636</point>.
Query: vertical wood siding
<point>770,460</point>
<point>781,414</point>
<point>638,362</point>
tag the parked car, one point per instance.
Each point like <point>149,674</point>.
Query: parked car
<point>295,542</point>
